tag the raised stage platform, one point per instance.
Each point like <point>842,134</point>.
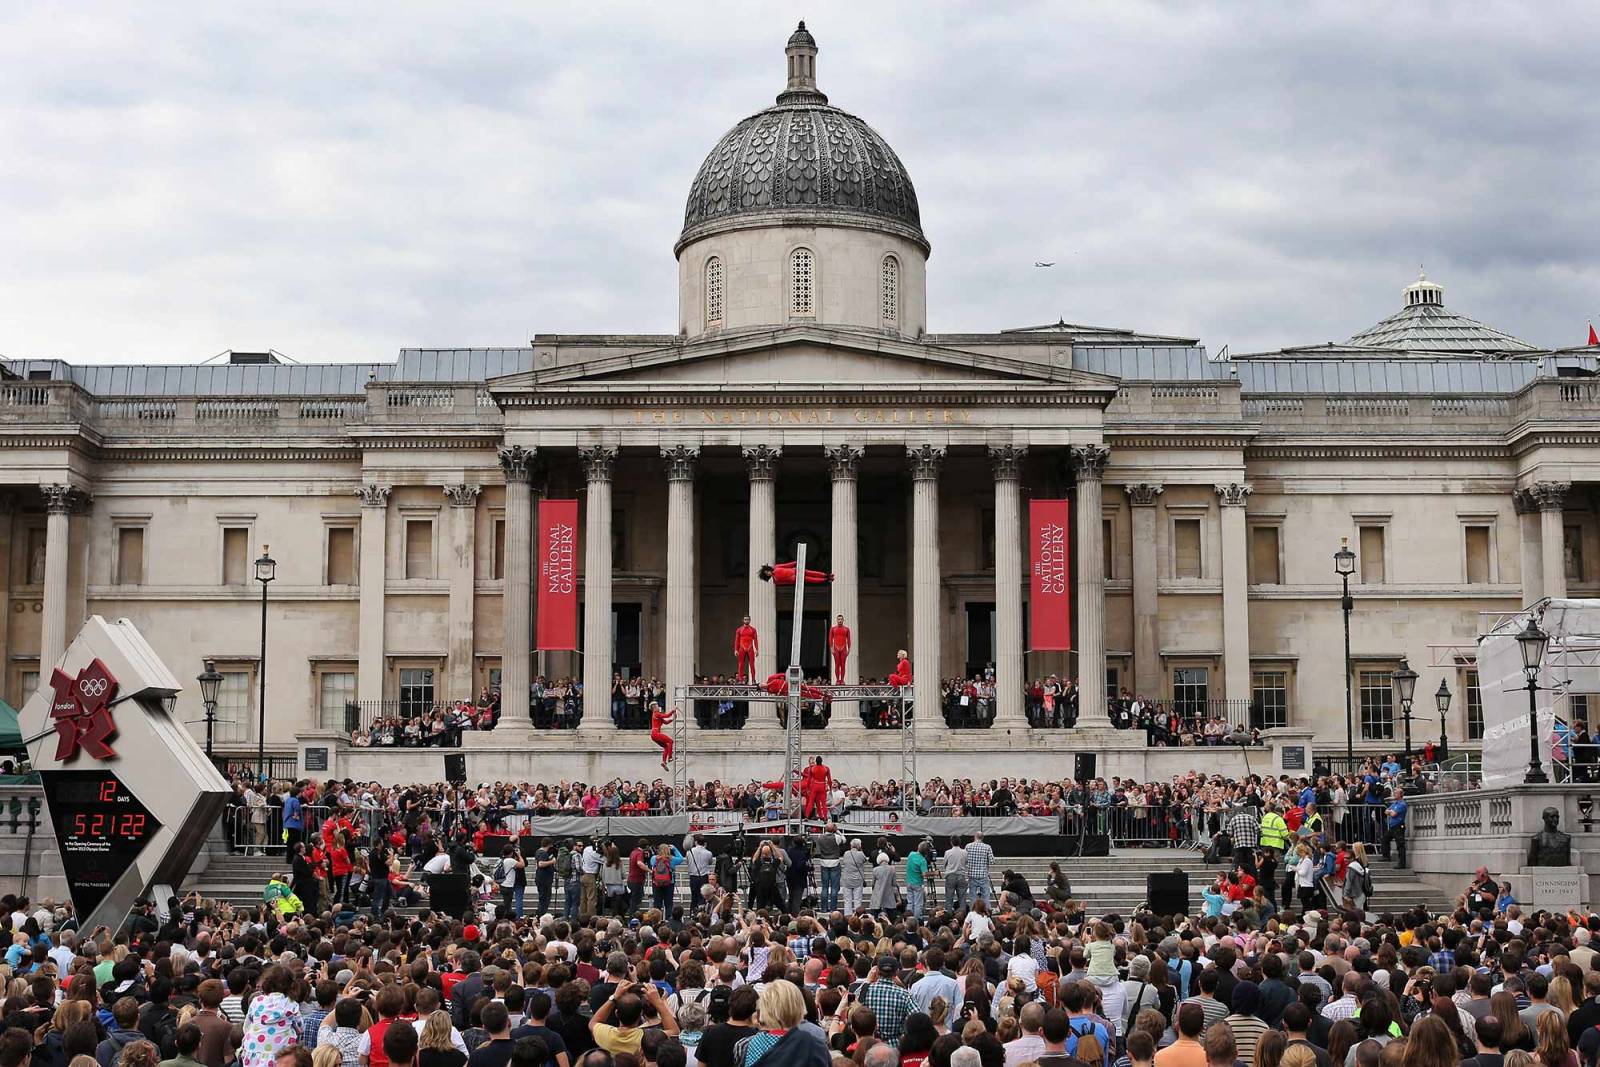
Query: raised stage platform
<point>856,755</point>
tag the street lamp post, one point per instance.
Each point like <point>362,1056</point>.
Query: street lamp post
<point>1344,565</point>
<point>1531,643</point>
<point>266,570</point>
<point>210,681</point>
<point>1441,700</point>
<point>1405,684</point>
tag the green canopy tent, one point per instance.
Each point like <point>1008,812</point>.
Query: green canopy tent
<point>10,729</point>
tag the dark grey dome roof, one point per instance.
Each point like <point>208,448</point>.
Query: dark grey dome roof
<point>802,155</point>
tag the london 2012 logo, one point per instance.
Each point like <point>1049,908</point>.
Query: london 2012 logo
<point>82,711</point>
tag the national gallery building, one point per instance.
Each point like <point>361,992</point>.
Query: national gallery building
<point>802,399</point>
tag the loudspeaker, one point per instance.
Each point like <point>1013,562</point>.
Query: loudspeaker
<point>455,767</point>
<point>1083,764</point>
<point>450,894</point>
<point>1167,892</point>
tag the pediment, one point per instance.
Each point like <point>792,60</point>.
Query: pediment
<point>812,356</point>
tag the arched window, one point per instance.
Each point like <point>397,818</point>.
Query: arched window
<point>802,282</point>
<point>890,291</point>
<point>713,292</point>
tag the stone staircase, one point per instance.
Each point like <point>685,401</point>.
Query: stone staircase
<point>1114,883</point>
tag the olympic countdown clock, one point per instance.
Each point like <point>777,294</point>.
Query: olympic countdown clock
<point>131,796</point>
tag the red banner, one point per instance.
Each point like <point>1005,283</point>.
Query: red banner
<point>558,576</point>
<point>1049,533</point>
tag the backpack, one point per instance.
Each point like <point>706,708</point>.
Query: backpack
<point>1366,883</point>
<point>663,870</point>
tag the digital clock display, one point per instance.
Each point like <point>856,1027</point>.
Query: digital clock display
<point>102,828</point>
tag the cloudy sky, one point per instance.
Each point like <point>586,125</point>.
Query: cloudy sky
<point>339,180</point>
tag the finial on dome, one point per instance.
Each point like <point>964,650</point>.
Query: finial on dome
<point>802,69</point>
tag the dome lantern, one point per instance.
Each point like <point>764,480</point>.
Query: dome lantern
<point>801,52</point>
<point>1424,292</point>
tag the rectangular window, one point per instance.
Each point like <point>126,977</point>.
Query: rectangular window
<point>1474,706</point>
<point>130,555</point>
<point>235,714</point>
<point>1572,552</point>
<point>1376,694</point>
<point>1113,681</point>
<point>235,555</point>
<point>1269,699</point>
<point>497,565</point>
<point>36,549</point>
<point>1477,538</point>
<point>1372,569</point>
<point>416,691</point>
<point>29,681</point>
<point>419,548</point>
<point>1186,548</point>
<point>1264,556</point>
<point>336,690</point>
<point>341,555</point>
<point>1108,559</point>
<point>1190,691</point>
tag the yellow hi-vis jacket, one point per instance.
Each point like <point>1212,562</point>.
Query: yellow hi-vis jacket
<point>1274,831</point>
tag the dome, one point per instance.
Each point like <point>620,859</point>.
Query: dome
<point>802,156</point>
<point>1425,327</point>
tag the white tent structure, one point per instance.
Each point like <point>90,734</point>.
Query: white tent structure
<point>1570,668</point>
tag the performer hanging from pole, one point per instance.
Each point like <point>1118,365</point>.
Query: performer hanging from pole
<point>839,645</point>
<point>815,781</point>
<point>902,670</point>
<point>778,686</point>
<point>658,719</point>
<point>746,643</point>
<point>784,574</point>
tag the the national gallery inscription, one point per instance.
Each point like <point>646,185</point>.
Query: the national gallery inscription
<point>807,416</point>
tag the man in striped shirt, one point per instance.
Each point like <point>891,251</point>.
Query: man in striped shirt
<point>979,858</point>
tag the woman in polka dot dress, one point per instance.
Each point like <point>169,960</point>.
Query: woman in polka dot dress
<point>273,1022</point>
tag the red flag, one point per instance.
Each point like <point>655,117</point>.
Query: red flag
<point>558,576</point>
<point>1050,607</point>
<point>1593,339</point>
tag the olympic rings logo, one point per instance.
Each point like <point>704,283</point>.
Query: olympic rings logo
<point>93,687</point>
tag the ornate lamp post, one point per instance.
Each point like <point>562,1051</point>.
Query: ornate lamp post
<point>210,681</point>
<point>1441,700</point>
<point>1531,642</point>
<point>1344,565</point>
<point>1405,685</point>
<point>266,570</point>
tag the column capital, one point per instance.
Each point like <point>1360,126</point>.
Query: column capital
<point>1523,502</point>
<point>599,461</point>
<point>925,461</point>
<point>762,462</point>
<point>1142,494</point>
<point>1550,496</point>
<point>463,495</point>
<point>1089,461</point>
<point>374,496</point>
<point>1007,461</point>
<point>65,499</point>
<point>517,462</point>
<point>680,460</point>
<point>1233,494</point>
<point>844,461</point>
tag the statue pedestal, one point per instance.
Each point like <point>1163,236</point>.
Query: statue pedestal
<point>1550,888</point>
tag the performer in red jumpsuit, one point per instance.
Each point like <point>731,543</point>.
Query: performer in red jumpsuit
<point>815,781</point>
<point>746,643</point>
<point>778,686</point>
<point>839,645</point>
<point>658,719</point>
<point>902,670</point>
<point>784,574</point>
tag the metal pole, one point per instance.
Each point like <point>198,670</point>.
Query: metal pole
<point>793,759</point>
<point>1405,713</point>
<point>261,699</point>
<point>211,719</point>
<point>1349,702</point>
<point>1535,775</point>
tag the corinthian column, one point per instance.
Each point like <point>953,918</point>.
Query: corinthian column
<point>517,596</point>
<point>1009,682</point>
<point>1235,595</point>
<point>1528,534</point>
<point>464,514</point>
<point>1089,463</point>
<point>681,630</point>
<point>925,463</point>
<point>369,642</point>
<point>1146,625</point>
<point>762,461</point>
<point>59,501</point>
<point>1552,498</point>
<point>598,463</point>
<point>844,462</point>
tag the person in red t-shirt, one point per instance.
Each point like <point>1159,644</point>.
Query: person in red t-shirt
<point>778,686</point>
<point>839,645</point>
<point>746,643</point>
<point>815,781</point>
<point>784,574</point>
<point>902,670</point>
